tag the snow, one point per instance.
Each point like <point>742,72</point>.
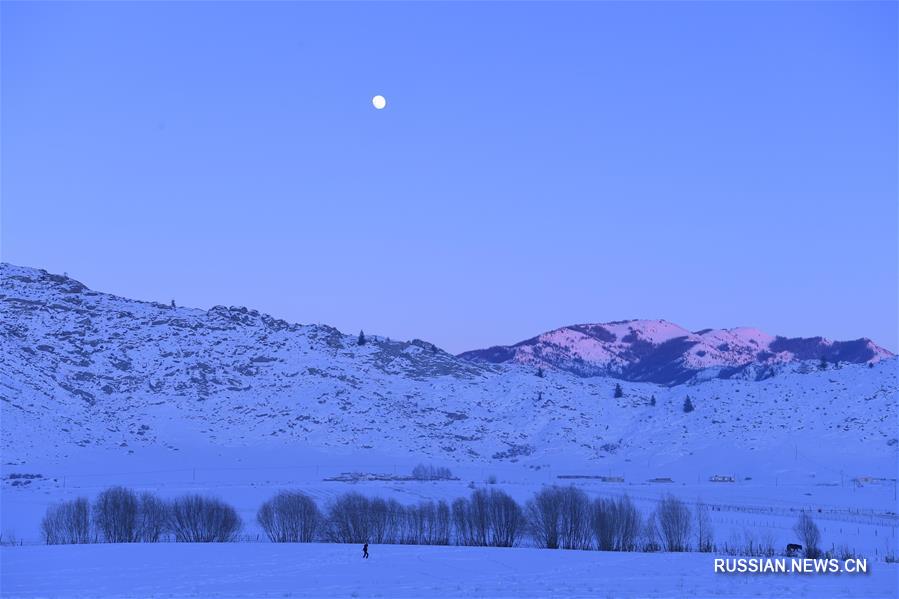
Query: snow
<point>331,570</point>
<point>81,369</point>
<point>625,348</point>
<point>99,390</point>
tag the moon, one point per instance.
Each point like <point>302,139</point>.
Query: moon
<point>379,102</point>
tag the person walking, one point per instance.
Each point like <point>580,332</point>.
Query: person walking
<point>365,551</point>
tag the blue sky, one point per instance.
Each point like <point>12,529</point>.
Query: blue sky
<point>714,164</point>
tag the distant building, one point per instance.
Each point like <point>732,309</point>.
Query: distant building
<point>722,478</point>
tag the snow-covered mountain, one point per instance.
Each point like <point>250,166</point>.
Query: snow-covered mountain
<point>662,352</point>
<point>83,369</point>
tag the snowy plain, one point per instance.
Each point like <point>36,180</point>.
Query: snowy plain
<point>334,570</point>
<point>99,391</point>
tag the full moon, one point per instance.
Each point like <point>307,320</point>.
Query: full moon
<point>379,102</point>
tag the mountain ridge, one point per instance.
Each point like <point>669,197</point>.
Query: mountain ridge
<point>662,352</point>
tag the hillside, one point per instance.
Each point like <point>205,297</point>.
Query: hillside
<point>83,369</point>
<point>662,352</point>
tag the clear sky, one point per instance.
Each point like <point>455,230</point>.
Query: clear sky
<point>715,164</point>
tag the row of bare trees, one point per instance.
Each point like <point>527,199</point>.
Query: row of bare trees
<point>564,517</point>
<point>555,518</point>
<point>119,515</point>
<point>488,518</point>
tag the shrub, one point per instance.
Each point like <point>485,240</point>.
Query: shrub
<point>674,523</point>
<point>67,523</point>
<point>845,552</point>
<point>199,519</point>
<point>809,535</point>
<point>289,517</point>
<point>115,515</point>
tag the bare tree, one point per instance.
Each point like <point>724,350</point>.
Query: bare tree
<point>443,525</point>
<point>807,531</point>
<point>395,522</point>
<point>478,518</point>
<point>543,515</point>
<point>382,523</point>
<point>152,518</point>
<point>616,524</point>
<point>199,519</point>
<point>290,517</point>
<point>705,541</point>
<point>465,535</point>
<point>506,519</point>
<point>67,523</point>
<point>429,472</point>
<point>349,519</point>
<point>416,524</point>
<point>674,523</point>
<point>603,522</point>
<point>627,524</point>
<point>488,519</point>
<point>574,523</point>
<point>115,515</point>
<point>429,523</point>
<point>650,537</point>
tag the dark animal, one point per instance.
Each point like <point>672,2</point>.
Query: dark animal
<point>793,549</point>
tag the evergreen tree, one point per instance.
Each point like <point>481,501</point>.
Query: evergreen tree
<point>361,340</point>
<point>688,405</point>
<point>619,392</point>
<point>652,400</point>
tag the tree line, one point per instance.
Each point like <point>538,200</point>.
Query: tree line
<point>554,518</point>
